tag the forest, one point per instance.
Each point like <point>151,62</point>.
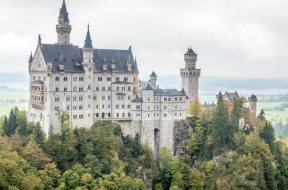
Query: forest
<point>218,155</point>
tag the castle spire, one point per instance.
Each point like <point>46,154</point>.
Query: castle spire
<point>30,58</point>
<point>88,41</point>
<point>63,28</point>
<point>64,12</point>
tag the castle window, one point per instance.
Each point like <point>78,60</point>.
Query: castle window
<point>74,98</point>
<point>123,106</point>
<point>75,88</point>
<point>175,114</point>
<point>57,89</point>
<point>138,107</point>
<point>129,115</point>
<point>180,106</point>
<point>94,97</point>
<point>39,78</point>
<point>108,78</point>
<point>165,115</point>
<point>103,88</point>
<point>128,106</point>
<point>57,99</point>
<point>34,78</point>
<point>125,79</point>
<point>148,99</point>
<point>97,114</point>
<point>123,114</point>
<point>80,116</point>
<point>148,107</point>
<point>80,78</point>
<point>56,78</point>
<point>65,89</point>
<point>129,97</point>
<point>117,79</point>
<point>117,88</point>
<point>129,88</point>
<point>80,107</point>
<point>80,98</point>
<point>56,108</point>
<point>109,97</point>
<point>148,115</point>
<point>169,99</point>
<point>68,107</point>
<point>175,98</point>
<point>89,87</point>
<point>94,60</point>
<point>103,97</point>
<point>165,107</point>
<point>109,115</point>
<point>57,59</point>
<point>117,106</point>
<point>99,78</point>
<point>66,57</point>
<point>96,106</point>
<point>180,99</point>
<point>180,114</point>
<point>90,69</point>
<point>97,88</point>
<point>117,115</point>
<point>109,106</point>
<point>103,106</point>
<point>165,99</point>
<point>88,105</point>
<point>75,78</point>
<point>68,98</point>
<point>74,116</point>
<point>176,107</point>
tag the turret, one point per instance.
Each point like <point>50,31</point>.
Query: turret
<point>30,60</point>
<point>63,28</point>
<point>88,49</point>
<point>190,58</point>
<point>252,106</point>
<point>153,79</point>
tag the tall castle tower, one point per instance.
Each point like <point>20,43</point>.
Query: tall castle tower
<point>63,28</point>
<point>252,107</point>
<point>153,80</point>
<point>190,75</point>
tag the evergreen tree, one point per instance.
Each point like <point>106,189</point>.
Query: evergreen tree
<point>260,174</point>
<point>235,116</point>
<point>12,123</point>
<point>261,116</point>
<point>269,175</point>
<point>38,135</point>
<point>51,143</point>
<point>5,127</point>
<point>21,121</point>
<point>282,173</point>
<point>220,125</point>
<point>268,135</point>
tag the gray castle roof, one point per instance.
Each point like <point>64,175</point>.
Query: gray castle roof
<point>88,41</point>
<point>37,82</point>
<point>233,95</point>
<point>63,12</point>
<point>190,51</point>
<point>147,87</point>
<point>153,74</point>
<point>137,100</point>
<point>30,58</point>
<point>100,55</point>
<point>168,92</point>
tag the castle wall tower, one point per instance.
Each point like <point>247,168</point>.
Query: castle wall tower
<point>153,79</point>
<point>252,107</point>
<point>88,66</point>
<point>190,75</point>
<point>63,28</point>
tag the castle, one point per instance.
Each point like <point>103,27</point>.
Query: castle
<point>100,84</point>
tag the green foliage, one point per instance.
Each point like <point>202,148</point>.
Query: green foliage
<point>261,116</point>
<point>38,134</point>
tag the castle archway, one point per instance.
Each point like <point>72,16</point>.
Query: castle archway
<point>156,141</point>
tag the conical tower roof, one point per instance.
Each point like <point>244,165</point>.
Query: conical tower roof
<point>153,74</point>
<point>30,58</point>
<point>64,12</point>
<point>88,41</point>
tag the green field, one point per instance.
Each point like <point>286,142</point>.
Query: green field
<point>5,109</point>
<point>13,95</point>
<point>277,115</point>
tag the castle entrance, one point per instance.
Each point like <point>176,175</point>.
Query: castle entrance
<point>156,142</point>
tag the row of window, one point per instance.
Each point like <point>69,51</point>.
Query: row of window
<point>157,107</point>
<point>39,78</point>
<point>97,88</point>
<point>165,115</point>
<point>166,99</point>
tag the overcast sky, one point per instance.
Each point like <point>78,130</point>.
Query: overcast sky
<point>232,38</point>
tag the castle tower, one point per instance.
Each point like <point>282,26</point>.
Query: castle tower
<point>88,66</point>
<point>190,75</point>
<point>252,107</point>
<point>153,79</point>
<point>63,28</point>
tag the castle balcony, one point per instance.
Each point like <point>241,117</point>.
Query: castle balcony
<point>63,27</point>
<point>37,86</point>
<point>36,104</point>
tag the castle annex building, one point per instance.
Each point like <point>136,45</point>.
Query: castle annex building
<point>99,84</point>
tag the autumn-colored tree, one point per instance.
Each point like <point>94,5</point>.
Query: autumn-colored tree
<point>195,107</point>
<point>63,117</point>
<point>196,179</point>
<point>50,176</point>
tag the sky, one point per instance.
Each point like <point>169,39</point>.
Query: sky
<point>232,38</point>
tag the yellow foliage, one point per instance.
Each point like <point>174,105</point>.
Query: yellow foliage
<point>195,108</point>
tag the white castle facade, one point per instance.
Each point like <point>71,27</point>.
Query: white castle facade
<point>102,84</point>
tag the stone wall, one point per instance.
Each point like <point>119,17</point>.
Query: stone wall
<point>180,132</point>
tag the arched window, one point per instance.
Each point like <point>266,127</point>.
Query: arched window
<point>97,114</point>
<point>129,115</point>
<point>57,88</point>
<point>80,98</point>
<point>128,106</point>
<point>117,88</point>
<point>65,89</point>
<point>94,97</point>
<point>123,114</point>
<point>117,115</point>
<point>80,107</point>
<point>89,87</point>
<point>68,107</point>
<point>74,88</point>
<point>129,88</point>
<point>117,106</point>
<point>90,69</point>
<point>109,97</point>
<point>108,114</point>
<point>103,97</point>
<point>74,98</point>
<point>129,97</point>
<point>123,106</point>
<point>57,99</point>
<point>67,98</point>
<point>88,105</point>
